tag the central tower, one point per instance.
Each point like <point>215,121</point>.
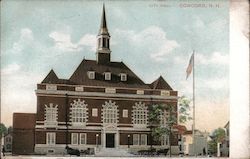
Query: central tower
<point>103,38</point>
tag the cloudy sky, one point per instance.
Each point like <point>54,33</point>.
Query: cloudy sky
<point>153,38</point>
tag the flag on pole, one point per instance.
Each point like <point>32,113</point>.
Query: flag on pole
<point>190,66</point>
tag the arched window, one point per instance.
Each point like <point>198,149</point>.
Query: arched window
<point>78,112</point>
<point>164,118</point>
<point>140,115</point>
<point>51,113</point>
<point>110,113</point>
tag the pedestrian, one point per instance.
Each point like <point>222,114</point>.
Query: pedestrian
<point>3,150</point>
<point>204,151</point>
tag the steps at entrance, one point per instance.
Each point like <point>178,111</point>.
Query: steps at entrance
<point>113,152</point>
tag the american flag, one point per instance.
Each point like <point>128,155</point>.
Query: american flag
<point>190,66</point>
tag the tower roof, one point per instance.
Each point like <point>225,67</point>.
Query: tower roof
<point>103,27</point>
<point>160,83</point>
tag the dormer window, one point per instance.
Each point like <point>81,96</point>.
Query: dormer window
<point>123,76</point>
<point>91,74</point>
<point>107,76</point>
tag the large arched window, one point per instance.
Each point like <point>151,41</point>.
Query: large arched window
<point>51,113</point>
<point>110,113</point>
<point>78,112</point>
<point>140,115</point>
<point>164,118</point>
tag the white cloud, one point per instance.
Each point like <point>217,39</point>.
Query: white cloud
<point>214,83</point>
<point>63,42</point>
<point>17,91</point>
<point>10,69</point>
<point>25,39</point>
<point>153,36</point>
<point>216,58</point>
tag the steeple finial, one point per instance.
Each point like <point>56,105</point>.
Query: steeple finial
<point>103,39</point>
<point>103,27</point>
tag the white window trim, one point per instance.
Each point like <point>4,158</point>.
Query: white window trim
<point>72,138</point>
<point>165,140</point>
<point>51,115</point>
<point>109,113</point>
<point>164,118</point>
<point>91,74</point>
<point>139,109</point>
<point>77,106</point>
<point>123,76</point>
<point>84,136</point>
<point>143,137</point>
<point>136,142</point>
<point>107,76</point>
<point>50,138</point>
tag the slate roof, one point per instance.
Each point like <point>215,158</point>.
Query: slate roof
<point>80,77</point>
<point>160,83</point>
<point>53,79</point>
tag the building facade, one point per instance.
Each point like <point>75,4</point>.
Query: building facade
<point>8,142</point>
<point>195,145</point>
<point>23,133</point>
<point>102,105</point>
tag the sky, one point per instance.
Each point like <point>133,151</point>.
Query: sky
<point>153,38</point>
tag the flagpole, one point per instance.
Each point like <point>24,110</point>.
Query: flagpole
<point>194,144</point>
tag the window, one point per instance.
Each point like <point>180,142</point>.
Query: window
<point>136,139</point>
<point>91,74</point>
<point>83,137</point>
<point>143,139</point>
<point>51,138</point>
<point>164,140</point>
<point>165,93</point>
<point>99,43</point>
<point>51,113</point>
<point>95,112</point>
<point>78,112</point>
<point>74,139</point>
<point>140,115</point>
<point>107,75</point>
<point>164,118</point>
<point>107,43</point>
<point>109,113</point>
<point>125,113</point>
<point>51,87</point>
<point>104,42</point>
<point>123,77</point>
<point>110,90</point>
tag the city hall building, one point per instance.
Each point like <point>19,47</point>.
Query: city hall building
<point>103,104</point>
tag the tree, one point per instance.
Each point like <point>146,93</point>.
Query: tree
<point>3,129</point>
<point>159,129</point>
<point>217,136</point>
<point>184,109</point>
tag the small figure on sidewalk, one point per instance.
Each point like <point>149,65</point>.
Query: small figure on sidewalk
<point>204,151</point>
<point>3,150</point>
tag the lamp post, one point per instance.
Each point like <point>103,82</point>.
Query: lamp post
<point>128,140</point>
<point>96,140</point>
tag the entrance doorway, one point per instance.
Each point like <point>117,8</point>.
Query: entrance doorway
<point>110,140</point>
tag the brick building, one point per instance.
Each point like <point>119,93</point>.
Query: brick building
<point>103,104</point>
<point>23,133</point>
